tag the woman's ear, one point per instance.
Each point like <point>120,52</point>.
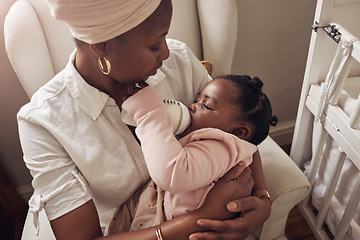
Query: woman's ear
<point>98,49</point>
<point>242,132</point>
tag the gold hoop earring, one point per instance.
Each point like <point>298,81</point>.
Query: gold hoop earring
<point>101,66</point>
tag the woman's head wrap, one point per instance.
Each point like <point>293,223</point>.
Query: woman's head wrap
<point>95,21</point>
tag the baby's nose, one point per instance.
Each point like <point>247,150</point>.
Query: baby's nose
<point>192,107</point>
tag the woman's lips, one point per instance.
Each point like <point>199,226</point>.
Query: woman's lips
<point>153,72</point>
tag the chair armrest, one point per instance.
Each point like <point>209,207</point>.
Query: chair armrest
<point>286,184</point>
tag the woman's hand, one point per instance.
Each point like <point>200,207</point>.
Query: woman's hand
<point>134,88</point>
<point>123,91</point>
<point>236,184</point>
<point>250,211</point>
<point>253,212</point>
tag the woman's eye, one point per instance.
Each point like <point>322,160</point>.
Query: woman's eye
<point>156,49</point>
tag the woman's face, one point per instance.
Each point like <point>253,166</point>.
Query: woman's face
<point>214,107</point>
<point>138,53</point>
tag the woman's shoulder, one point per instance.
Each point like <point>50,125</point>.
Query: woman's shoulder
<point>174,44</point>
<point>179,51</point>
<point>48,91</point>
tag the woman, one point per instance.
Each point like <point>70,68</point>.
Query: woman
<point>79,153</point>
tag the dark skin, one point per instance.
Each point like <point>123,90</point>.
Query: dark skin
<point>83,223</point>
<point>250,207</point>
<point>134,56</point>
<point>181,227</point>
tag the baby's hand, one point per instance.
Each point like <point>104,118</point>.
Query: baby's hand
<point>134,88</point>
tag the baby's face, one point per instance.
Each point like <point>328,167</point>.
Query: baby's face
<point>213,107</point>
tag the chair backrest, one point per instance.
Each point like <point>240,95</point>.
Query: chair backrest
<point>38,46</point>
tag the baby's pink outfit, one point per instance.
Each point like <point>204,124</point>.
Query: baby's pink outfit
<point>187,168</point>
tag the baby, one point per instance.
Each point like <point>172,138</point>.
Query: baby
<point>229,117</point>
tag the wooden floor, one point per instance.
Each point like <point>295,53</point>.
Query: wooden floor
<point>297,227</point>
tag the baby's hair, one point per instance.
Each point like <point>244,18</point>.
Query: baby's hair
<point>254,105</point>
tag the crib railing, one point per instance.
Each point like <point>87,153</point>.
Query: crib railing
<point>335,124</point>
<point>355,56</point>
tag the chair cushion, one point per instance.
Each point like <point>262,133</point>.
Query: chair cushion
<point>24,35</point>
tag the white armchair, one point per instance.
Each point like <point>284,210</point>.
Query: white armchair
<point>38,47</point>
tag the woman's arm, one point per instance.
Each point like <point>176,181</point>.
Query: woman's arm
<point>82,223</point>
<point>257,173</point>
<point>254,212</point>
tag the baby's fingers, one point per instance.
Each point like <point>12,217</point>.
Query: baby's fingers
<point>234,172</point>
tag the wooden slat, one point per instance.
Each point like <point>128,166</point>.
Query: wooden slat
<point>337,122</point>
<point>330,189</point>
<point>349,212</point>
<point>355,115</point>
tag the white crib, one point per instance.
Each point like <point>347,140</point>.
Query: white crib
<point>327,133</point>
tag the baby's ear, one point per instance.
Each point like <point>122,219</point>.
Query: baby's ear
<point>242,132</point>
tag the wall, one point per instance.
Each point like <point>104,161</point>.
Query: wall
<point>273,39</point>
<point>12,97</point>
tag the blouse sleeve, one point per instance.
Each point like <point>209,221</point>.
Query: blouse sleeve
<point>59,186</point>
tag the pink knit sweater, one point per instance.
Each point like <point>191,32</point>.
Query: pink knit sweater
<point>187,168</point>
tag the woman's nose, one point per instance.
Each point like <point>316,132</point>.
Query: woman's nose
<point>164,52</point>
